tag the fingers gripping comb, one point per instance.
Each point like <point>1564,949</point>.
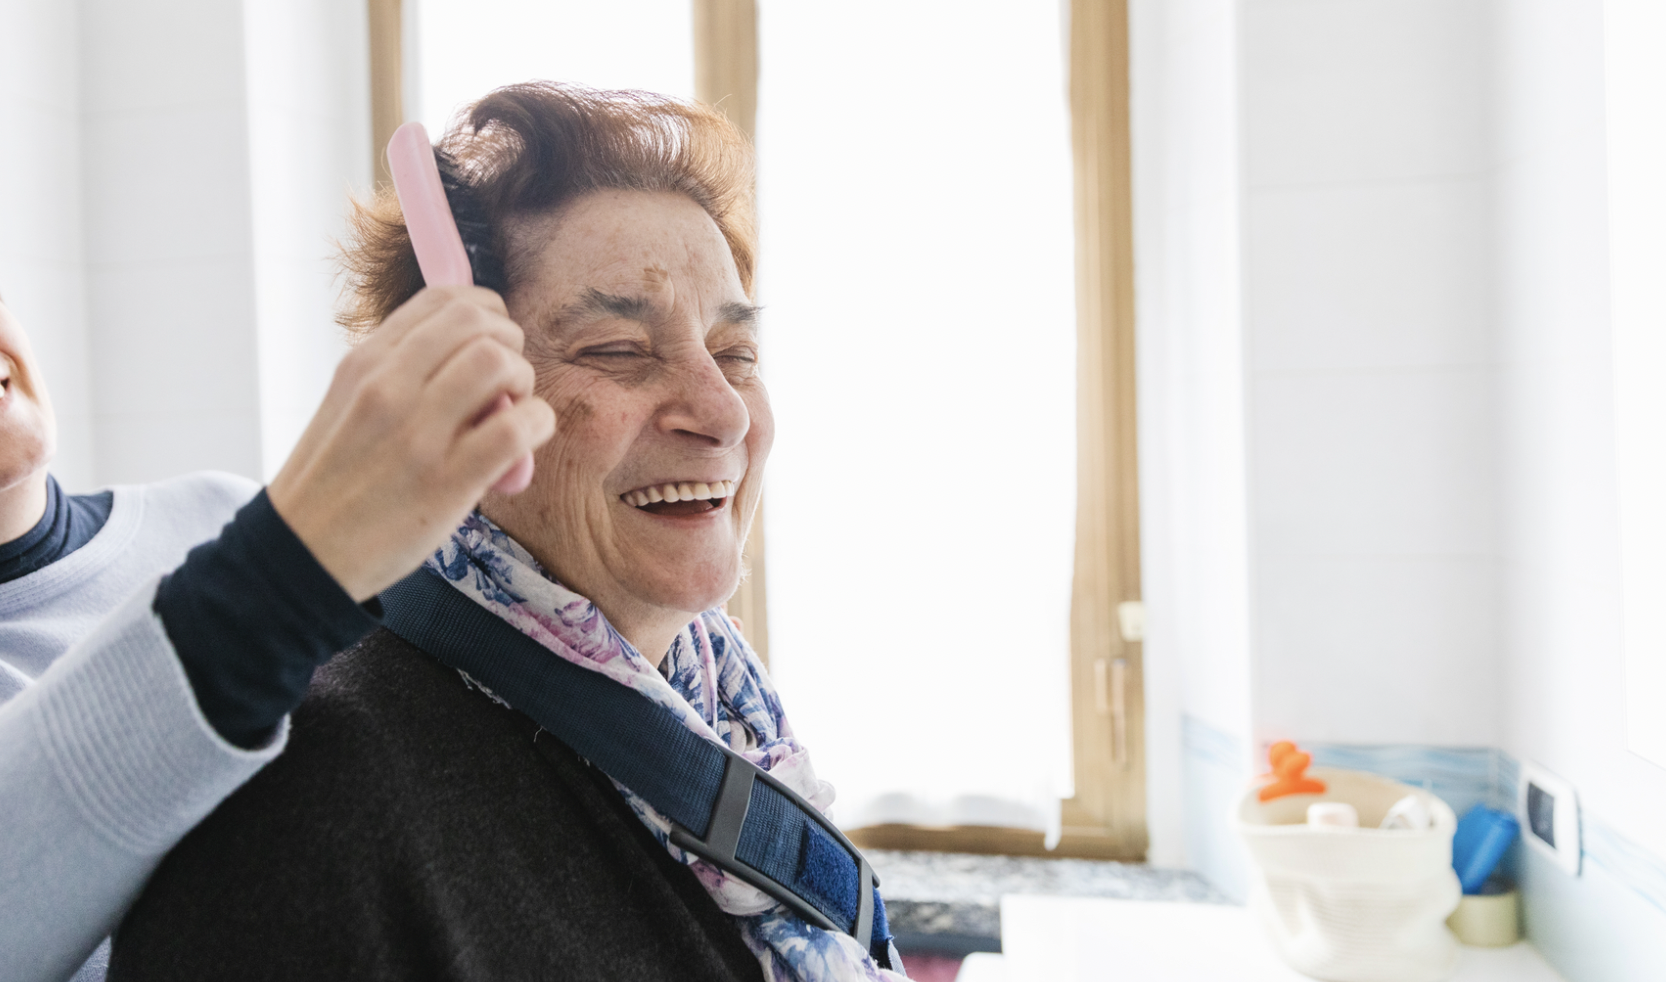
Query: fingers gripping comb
<point>439,247</point>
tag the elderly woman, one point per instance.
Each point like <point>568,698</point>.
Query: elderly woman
<point>419,825</point>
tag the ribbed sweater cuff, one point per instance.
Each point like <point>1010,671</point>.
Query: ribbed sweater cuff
<point>252,614</point>
<point>128,739</point>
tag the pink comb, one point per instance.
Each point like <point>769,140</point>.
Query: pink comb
<point>439,248</point>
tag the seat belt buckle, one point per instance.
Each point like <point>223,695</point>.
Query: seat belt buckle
<point>728,824</point>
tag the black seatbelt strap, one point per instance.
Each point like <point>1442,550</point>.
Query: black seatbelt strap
<point>723,807</point>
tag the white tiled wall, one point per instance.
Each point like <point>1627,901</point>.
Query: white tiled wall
<point>166,237</point>
<point>1368,313</point>
<point>170,268</point>
<point>1339,92</point>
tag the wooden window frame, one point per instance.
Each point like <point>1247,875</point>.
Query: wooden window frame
<point>387,80</point>
<point>726,76</point>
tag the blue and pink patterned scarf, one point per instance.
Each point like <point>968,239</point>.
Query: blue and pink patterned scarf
<point>713,682</point>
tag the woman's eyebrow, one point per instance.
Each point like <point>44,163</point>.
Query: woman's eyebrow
<point>595,303</point>
<point>735,312</point>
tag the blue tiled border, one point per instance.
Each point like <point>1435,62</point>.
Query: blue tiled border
<point>1203,742</point>
<point>1461,776</point>
<point>1640,870</point>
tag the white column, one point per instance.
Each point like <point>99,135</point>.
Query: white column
<point>41,273</point>
<point>169,245</point>
<point>221,142</point>
<point>309,137</point>
<point>1193,482</point>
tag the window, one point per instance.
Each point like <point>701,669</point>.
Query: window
<point>919,343</point>
<point>467,47</point>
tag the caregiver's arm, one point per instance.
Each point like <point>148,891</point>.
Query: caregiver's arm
<point>143,727</point>
<point>388,467</point>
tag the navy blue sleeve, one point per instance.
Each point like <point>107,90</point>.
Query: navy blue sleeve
<point>251,615</point>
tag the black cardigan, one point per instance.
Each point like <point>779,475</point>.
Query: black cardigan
<point>412,831</point>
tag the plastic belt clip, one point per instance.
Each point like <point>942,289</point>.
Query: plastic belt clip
<point>727,824</point>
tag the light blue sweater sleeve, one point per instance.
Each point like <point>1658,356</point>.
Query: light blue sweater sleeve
<point>105,763</point>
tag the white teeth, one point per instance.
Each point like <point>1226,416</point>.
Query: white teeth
<point>681,491</point>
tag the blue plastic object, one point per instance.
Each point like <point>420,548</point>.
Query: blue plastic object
<point>1482,838</point>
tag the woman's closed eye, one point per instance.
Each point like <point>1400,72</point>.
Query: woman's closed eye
<point>614,350</point>
<point>740,361</point>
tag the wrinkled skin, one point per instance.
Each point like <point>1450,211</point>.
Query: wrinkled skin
<point>398,453</point>
<point>645,344</point>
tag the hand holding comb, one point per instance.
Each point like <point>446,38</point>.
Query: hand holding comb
<point>439,246</point>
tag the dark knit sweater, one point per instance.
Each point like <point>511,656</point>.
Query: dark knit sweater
<point>412,830</point>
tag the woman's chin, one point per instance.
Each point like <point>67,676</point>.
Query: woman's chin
<point>684,584</point>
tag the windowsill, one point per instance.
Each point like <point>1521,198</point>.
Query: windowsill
<point>950,903</point>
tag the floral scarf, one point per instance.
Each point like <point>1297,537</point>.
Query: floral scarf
<point>710,680</point>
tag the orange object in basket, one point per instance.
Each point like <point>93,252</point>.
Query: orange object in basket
<point>1289,774</point>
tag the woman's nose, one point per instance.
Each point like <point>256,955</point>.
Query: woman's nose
<point>704,405</point>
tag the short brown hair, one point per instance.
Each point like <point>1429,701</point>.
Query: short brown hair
<point>527,149</point>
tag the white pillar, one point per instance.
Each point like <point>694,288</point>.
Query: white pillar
<point>41,270</point>
<point>1191,406</point>
<point>309,134</point>
<point>169,243</point>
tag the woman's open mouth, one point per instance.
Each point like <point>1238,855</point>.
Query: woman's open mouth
<point>681,498</point>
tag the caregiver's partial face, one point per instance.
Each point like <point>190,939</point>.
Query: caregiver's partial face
<point>646,347</point>
<point>28,431</point>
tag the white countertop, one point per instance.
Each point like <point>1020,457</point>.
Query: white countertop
<point>1088,939</point>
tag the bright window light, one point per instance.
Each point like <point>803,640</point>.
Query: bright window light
<point>919,343</point>
<point>466,48</point>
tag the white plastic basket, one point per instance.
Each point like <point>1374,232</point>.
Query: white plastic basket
<point>1353,905</point>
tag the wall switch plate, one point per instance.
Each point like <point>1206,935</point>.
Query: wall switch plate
<point>1130,618</point>
<point>1549,812</point>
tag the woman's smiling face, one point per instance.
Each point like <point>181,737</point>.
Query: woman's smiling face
<point>646,346</point>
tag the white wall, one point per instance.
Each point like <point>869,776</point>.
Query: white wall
<point>308,65</point>
<point>1564,694</point>
<point>165,239</point>
<point>1192,477</point>
<point>170,264</point>
<point>1565,699</point>
<point>1412,194</point>
<point>1368,315</point>
<point>41,272</point>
